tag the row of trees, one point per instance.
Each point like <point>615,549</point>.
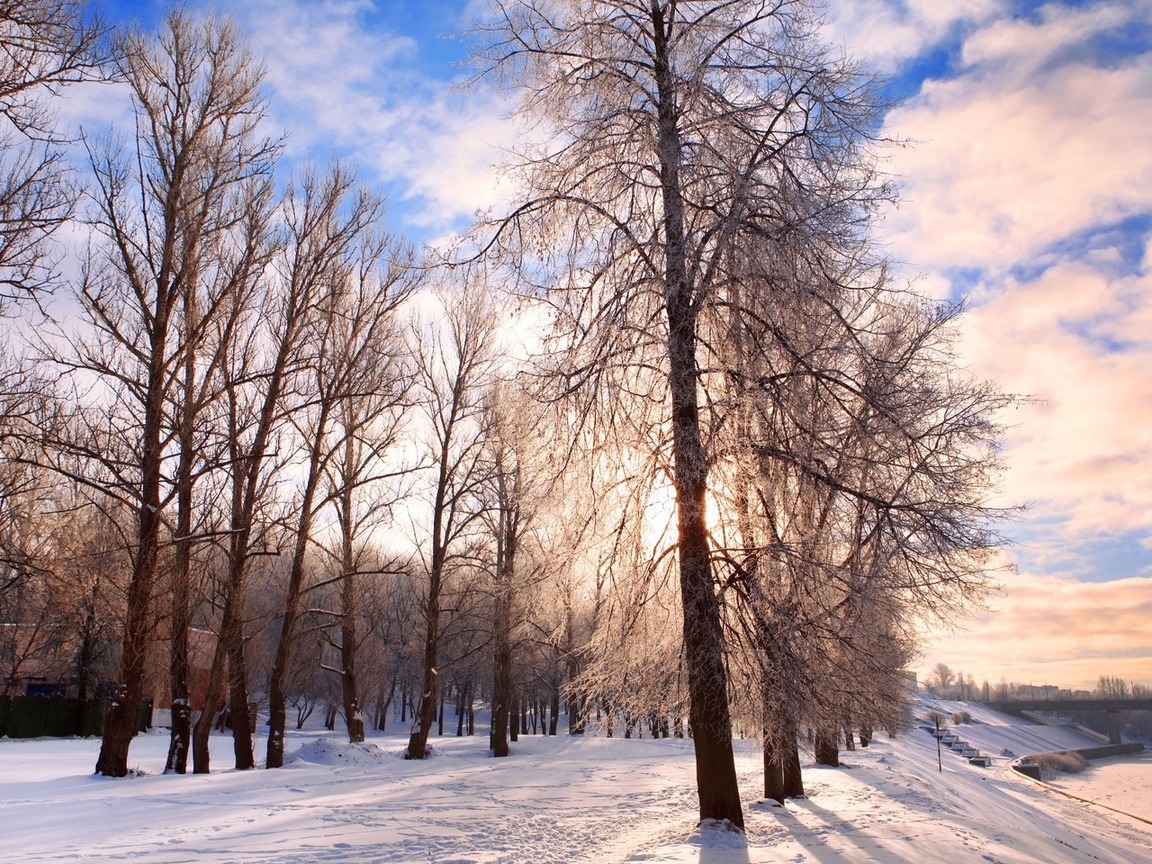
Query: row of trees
<point>945,682</point>
<point>737,464</point>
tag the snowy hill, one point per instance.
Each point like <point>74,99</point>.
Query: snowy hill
<point>565,800</point>
<point>991,732</point>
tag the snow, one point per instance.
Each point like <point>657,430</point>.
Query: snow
<point>337,751</point>
<point>1122,783</point>
<point>565,799</point>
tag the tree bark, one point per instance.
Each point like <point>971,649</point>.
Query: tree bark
<point>827,749</point>
<point>709,719</point>
<point>350,684</point>
<point>238,702</point>
<point>424,714</point>
<point>122,721</point>
<point>502,681</point>
<point>277,683</point>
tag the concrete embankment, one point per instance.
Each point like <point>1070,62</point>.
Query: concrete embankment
<point>1029,765</point>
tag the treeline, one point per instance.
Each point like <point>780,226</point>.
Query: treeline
<point>949,684</point>
<point>666,444</point>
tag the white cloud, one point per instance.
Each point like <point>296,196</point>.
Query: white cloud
<point>1028,157</point>
<point>885,33</point>
<point>1004,169</point>
<point>341,88</point>
<point>1021,47</point>
<point>95,107</point>
<point>1034,146</point>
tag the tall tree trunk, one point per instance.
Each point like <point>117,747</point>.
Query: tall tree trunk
<point>790,759</point>
<point>782,778</point>
<point>179,740</point>
<point>352,711</point>
<point>238,702</point>
<point>349,596</point>
<point>382,708</point>
<point>213,698</point>
<point>180,611</point>
<point>277,682</point>
<point>424,714</point>
<point>709,719</point>
<point>123,718</point>
<point>502,693</point>
<point>773,770</point>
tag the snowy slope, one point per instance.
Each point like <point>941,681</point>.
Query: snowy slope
<point>555,800</point>
<point>990,731</point>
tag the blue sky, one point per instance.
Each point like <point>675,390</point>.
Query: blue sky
<point>1028,192</point>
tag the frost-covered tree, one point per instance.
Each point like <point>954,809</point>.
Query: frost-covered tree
<point>677,131</point>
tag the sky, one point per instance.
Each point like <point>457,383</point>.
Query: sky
<point>1026,190</point>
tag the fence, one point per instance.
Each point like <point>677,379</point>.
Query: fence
<point>55,717</point>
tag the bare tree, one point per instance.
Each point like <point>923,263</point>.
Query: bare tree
<point>44,45</point>
<point>161,205</point>
<point>518,483</point>
<point>675,122</point>
<point>1111,687</point>
<point>324,218</point>
<point>871,459</point>
<point>698,223</point>
<point>454,357</point>
<point>357,379</point>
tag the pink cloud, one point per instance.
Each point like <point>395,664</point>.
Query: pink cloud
<point>1010,160</point>
<point>1082,451</point>
<point>1056,631</point>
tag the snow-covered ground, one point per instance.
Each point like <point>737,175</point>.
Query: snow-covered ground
<point>1122,783</point>
<point>556,800</point>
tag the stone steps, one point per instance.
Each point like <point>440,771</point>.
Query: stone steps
<point>954,743</point>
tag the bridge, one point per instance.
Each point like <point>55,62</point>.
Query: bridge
<point>1112,707</point>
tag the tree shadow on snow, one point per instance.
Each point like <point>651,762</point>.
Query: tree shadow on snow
<point>720,843</point>
<point>825,835</point>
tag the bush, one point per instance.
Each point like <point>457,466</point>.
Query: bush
<point>941,720</point>
<point>959,717</point>
<point>1069,762</point>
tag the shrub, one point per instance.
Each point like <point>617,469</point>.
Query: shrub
<point>1069,762</point>
<point>959,717</point>
<point>941,720</point>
